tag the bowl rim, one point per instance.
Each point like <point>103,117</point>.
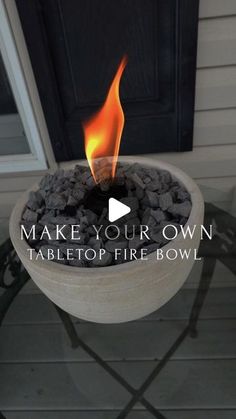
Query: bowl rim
<point>21,246</point>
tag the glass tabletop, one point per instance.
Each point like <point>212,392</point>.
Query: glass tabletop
<point>178,362</point>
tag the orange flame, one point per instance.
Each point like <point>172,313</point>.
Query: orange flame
<point>103,132</point>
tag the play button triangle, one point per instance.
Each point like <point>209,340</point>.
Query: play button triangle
<point>117,209</point>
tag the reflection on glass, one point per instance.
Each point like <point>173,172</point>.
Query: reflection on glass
<point>12,136</point>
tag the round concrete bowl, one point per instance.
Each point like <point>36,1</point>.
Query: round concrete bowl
<point>118,293</point>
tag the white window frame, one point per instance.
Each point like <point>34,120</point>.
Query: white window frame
<point>36,159</point>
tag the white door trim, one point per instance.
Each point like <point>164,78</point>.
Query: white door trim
<point>10,53</point>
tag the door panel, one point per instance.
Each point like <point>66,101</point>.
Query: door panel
<point>75,47</point>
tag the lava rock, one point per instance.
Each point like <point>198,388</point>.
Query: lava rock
<point>30,215</point>
<point>35,200</point>
<point>62,219</point>
<point>91,231</point>
<point>91,217</point>
<point>147,179</point>
<point>137,180</point>
<point>78,194</point>
<point>46,182</point>
<point>129,184</point>
<point>165,201</point>
<point>158,215</point>
<point>105,260</point>
<point>136,243</point>
<point>78,263</point>
<point>157,236</point>
<point>112,245</point>
<point>71,202</point>
<point>90,182</point>
<point>182,195</point>
<point>55,201</point>
<point>41,210</point>
<point>151,199</point>
<point>139,192</point>
<point>84,222</point>
<point>183,209</point>
<point>103,216</point>
<point>132,202</point>
<point>84,176</point>
<point>154,186</point>
<point>48,217</point>
<point>96,244</point>
<point>148,219</point>
<point>165,177</point>
<point>152,173</point>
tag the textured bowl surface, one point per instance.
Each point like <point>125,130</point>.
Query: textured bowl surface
<point>118,293</point>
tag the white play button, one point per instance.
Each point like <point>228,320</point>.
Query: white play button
<point>117,210</point>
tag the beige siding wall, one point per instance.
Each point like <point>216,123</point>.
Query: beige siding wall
<point>213,160</point>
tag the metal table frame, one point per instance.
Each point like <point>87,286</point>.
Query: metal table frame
<point>222,247</point>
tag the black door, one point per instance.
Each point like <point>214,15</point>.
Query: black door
<point>75,47</point>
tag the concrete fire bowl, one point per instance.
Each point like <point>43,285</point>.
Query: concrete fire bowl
<point>118,293</point>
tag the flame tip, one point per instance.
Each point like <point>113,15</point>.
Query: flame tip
<point>103,131</point>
